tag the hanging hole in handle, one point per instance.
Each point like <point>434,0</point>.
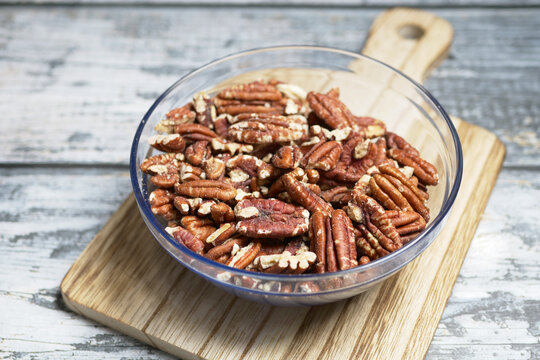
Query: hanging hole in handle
<point>410,31</point>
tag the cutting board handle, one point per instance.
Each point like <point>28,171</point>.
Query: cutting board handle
<point>410,40</point>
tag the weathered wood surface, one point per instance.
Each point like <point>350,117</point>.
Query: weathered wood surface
<point>494,308</point>
<point>306,3</point>
<point>92,84</point>
<point>102,74</point>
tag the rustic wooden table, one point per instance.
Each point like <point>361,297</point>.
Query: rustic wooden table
<point>76,78</point>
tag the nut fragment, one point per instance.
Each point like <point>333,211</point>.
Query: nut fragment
<point>285,262</point>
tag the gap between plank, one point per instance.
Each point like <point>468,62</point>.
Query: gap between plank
<point>266,5</point>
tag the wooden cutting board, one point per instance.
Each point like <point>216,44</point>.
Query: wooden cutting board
<point>125,280</point>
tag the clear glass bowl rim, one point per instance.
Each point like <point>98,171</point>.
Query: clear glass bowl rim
<point>147,213</point>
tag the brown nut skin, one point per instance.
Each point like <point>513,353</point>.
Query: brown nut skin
<point>332,239</point>
<point>221,213</point>
<point>323,156</point>
<point>287,157</point>
<point>222,234</point>
<point>226,247</point>
<point>302,195</point>
<point>197,152</point>
<point>376,222</point>
<point>170,143</point>
<point>149,164</point>
<point>331,110</point>
<point>270,219</point>
<point>167,179</point>
<point>199,227</point>
<point>317,236</point>
<point>214,168</point>
<point>267,128</point>
<point>423,170</point>
<point>206,189</point>
<point>245,255</point>
<point>195,132</point>
<point>397,142</point>
<point>339,195</point>
<point>187,239</point>
<point>161,204</point>
<point>256,90</point>
<point>182,114</point>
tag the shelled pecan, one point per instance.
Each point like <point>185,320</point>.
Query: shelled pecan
<point>267,177</point>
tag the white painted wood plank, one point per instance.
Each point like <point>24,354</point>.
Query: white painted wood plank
<point>49,215</point>
<point>74,82</point>
<point>309,3</point>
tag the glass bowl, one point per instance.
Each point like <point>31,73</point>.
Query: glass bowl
<point>369,88</point>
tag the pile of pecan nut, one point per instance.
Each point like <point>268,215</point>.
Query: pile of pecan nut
<point>266,177</point>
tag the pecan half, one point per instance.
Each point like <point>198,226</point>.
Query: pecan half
<point>199,227</point>
<point>330,109</point>
<point>161,204</point>
<point>270,218</point>
<point>221,213</point>
<point>406,223</point>
<point>287,157</point>
<point>181,204</point>
<point>197,152</point>
<point>423,170</point>
<point>222,234</point>
<point>214,168</point>
<point>205,109</point>
<point>266,129</point>
<point>225,248</point>
<point>323,156</point>
<point>166,175</point>
<point>171,143</point>
<point>376,225</point>
<point>195,132</point>
<point>256,90</point>
<point>243,256</point>
<point>207,189</point>
<point>184,237</point>
<point>181,115</point>
<point>157,164</point>
<point>333,240</point>
<point>302,195</point>
<point>397,142</point>
<point>252,166</point>
<point>339,195</point>
<point>254,97</point>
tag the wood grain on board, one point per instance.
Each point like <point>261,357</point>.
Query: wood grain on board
<point>126,281</point>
